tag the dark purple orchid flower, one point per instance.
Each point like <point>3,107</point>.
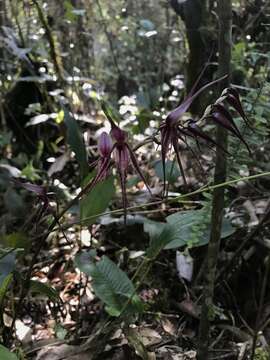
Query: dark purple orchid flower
<point>123,156</point>
<point>115,144</point>
<point>45,208</point>
<point>220,115</point>
<point>232,97</point>
<point>105,148</point>
<point>172,131</point>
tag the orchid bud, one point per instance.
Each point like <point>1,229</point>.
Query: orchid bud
<point>223,118</point>
<point>105,145</point>
<point>233,99</point>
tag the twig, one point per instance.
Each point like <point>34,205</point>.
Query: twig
<point>48,33</point>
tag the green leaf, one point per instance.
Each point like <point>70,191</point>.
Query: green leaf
<point>4,286</point>
<point>44,289</point>
<point>30,172</point>
<point>153,228</point>
<point>110,283</point>
<point>193,228</point>
<point>186,228</point>
<point>110,112</point>
<point>69,15</point>
<point>7,265</point>
<point>97,200</point>
<point>5,354</point>
<point>75,140</point>
<point>159,241</point>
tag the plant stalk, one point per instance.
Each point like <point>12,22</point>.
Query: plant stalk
<point>225,28</point>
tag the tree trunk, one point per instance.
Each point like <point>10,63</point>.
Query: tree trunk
<point>195,14</point>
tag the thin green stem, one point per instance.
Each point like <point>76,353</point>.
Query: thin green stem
<point>179,198</point>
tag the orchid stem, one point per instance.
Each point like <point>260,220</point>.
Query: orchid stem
<point>206,188</point>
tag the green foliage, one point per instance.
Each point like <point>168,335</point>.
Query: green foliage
<point>15,240</point>
<point>7,265</point>
<point>44,289</point>
<point>187,228</point>
<point>60,332</point>
<point>171,170</point>
<point>30,173</point>
<point>262,354</point>
<point>5,354</point>
<point>97,200</point>
<point>110,284</point>
<point>142,46</point>
<point>75,140</point>
<point>110,111</point>
<point>4,285</point>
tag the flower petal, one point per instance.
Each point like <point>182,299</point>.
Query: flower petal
<point>233,99</point>
<point>175,115</point>
<point>176,149</point>
<point>225,122</point>
<point>105,145</point>
<point>137,168</point>
<point>198,133</point>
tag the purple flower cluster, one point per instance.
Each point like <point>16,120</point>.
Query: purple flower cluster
<point>172,131</point>
<point>114,148</point>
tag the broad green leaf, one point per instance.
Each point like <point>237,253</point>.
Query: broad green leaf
<point>75,140</point>
<point>153,228</point>
<point>187,228</point>
<point>159,241</point>
<point>110,283</point>
<point>193,228</point>
<point>44,289</point>
<point>7,265</point>
<point>5,354</point>
<point>97,200</point>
